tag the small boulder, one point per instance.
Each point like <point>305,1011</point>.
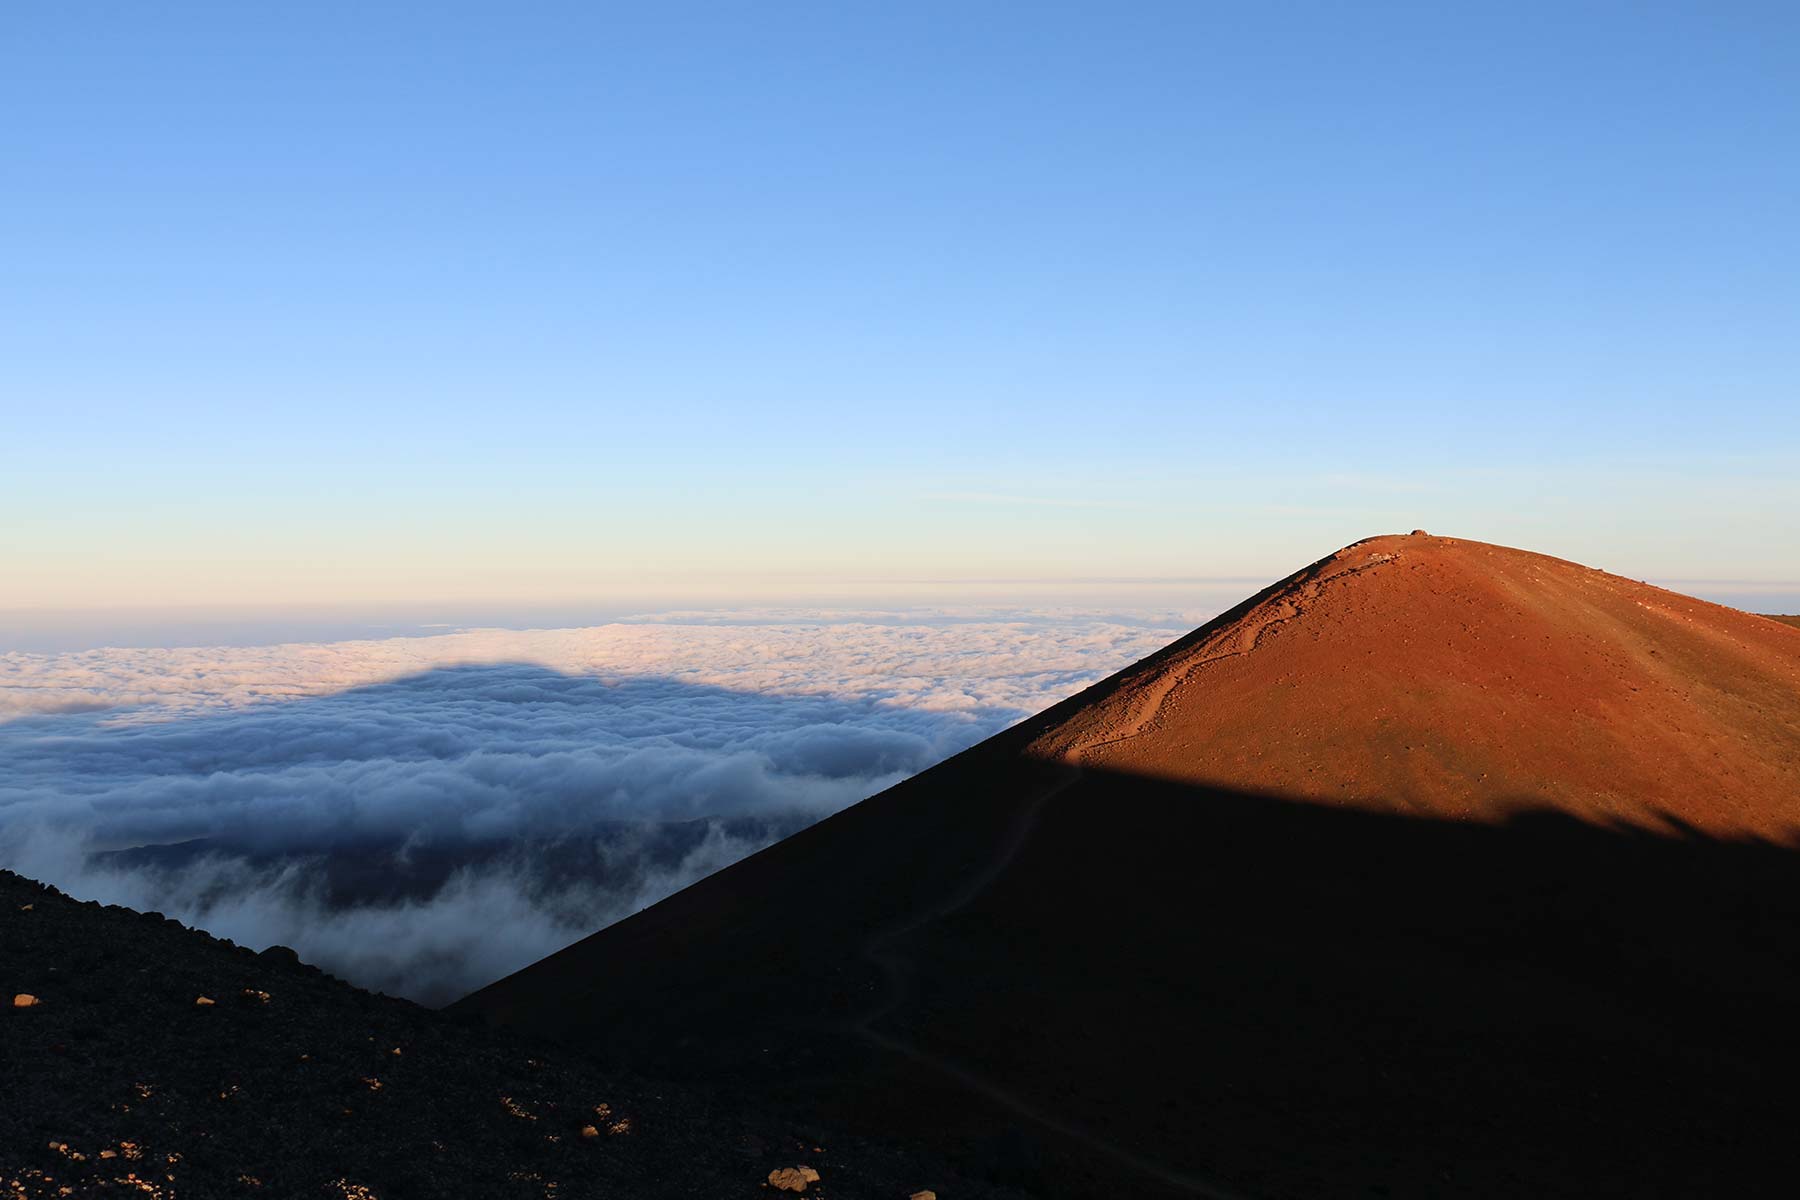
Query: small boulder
<point>203,1002</point>
<point>26,1000</point>
<point>927,1194</point>
<point>792,1179</point>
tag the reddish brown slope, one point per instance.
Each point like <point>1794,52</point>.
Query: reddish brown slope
<point>1453,678</point>
<point>1223,925</point>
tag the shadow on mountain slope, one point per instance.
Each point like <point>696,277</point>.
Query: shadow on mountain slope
<point>1098,981</point>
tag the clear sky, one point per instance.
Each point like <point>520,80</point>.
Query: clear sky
<point>399,304</point>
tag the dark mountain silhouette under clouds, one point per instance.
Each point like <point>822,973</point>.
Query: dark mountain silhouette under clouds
<point>1437,868</point>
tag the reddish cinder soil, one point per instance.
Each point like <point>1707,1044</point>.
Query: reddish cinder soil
<point>1456,679</point>
<point>1436,869</point>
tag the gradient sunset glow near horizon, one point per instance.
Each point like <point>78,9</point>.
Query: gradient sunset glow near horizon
<point>609,308</point>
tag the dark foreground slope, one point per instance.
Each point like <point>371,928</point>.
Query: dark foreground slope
<point>119,1083</point>
<point>1437,869</point>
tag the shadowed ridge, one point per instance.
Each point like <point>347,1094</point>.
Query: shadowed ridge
<point>1354,888</point>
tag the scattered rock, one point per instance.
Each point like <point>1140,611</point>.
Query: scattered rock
<point>102,1057</point>
<point>792,1179</point>
<point>26,1000</point>
<point>1420,533</point>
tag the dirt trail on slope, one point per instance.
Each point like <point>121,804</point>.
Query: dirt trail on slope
<point>898,974</point>
<point>1143,703</point>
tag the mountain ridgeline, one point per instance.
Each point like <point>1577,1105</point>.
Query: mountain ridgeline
<point>1437,868</point>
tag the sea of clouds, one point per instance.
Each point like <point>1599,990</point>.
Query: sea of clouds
<point>423,815</point>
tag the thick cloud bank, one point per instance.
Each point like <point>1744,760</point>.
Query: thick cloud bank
<point>422,815</point>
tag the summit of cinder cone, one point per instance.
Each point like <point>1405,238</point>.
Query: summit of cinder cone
<point>1423,871</point>
<point>1459,679</point>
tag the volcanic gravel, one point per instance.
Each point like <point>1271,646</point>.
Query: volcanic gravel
<point>121,1079</point>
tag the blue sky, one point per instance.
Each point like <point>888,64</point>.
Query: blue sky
<point>400,304</point>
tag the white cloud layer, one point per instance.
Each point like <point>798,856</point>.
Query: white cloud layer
<point>422,815</point>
